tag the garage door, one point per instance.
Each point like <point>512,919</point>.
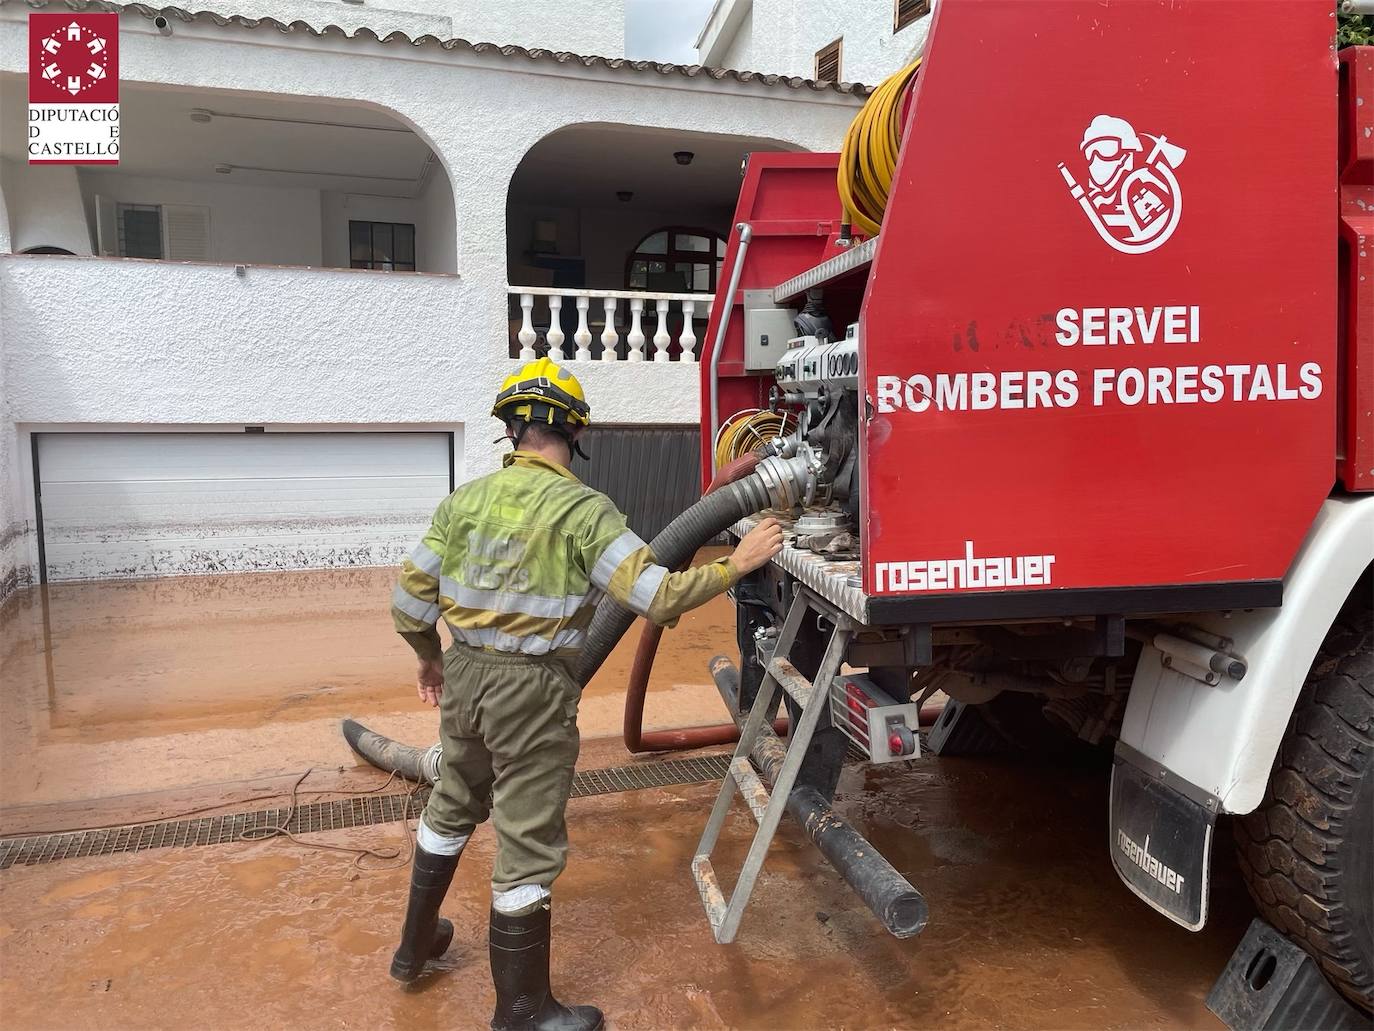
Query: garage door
<point>650,472</point>
<point>165,504</point>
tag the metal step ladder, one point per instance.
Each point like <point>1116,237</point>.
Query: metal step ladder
<point>767,806</point>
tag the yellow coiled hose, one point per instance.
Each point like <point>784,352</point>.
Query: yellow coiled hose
<point>747,431</point>
<point>868,158</point>
<point>868,161</point>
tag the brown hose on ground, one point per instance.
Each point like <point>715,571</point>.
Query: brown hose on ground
<point>636,740</point>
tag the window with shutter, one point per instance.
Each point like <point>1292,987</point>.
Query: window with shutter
<point>904,12</point>
<point>176,232</point>
<point>828,61</point>
<point>186,232</point>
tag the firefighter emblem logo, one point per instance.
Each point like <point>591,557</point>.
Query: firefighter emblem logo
<point>1132,198</point>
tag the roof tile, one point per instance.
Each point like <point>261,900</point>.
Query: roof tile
<point>398,38</point>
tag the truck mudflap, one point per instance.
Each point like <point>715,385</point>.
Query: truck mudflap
<point>1161,839</point>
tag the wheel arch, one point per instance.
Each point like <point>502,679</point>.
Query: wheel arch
<point>1223,739</point>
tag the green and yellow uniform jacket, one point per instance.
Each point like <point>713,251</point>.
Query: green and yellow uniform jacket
<point>517,561</point>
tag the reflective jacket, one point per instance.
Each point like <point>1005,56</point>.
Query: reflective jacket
<point>517,561</point>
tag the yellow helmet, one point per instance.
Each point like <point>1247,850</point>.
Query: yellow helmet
<point>543,392</point>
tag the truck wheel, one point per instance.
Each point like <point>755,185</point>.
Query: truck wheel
<point>1307,852</point>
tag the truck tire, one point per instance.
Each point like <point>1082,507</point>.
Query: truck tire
<point>1307,852</point>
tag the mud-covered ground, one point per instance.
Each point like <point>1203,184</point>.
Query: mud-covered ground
<point>127,687</point>
<point>137,702</point>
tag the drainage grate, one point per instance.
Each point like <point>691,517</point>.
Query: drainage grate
<point>358,811</point>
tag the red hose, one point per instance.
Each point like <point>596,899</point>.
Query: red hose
<point>636,740</point>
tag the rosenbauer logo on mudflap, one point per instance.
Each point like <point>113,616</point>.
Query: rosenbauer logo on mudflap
<point>1133,198</point>
<point>73,89</point>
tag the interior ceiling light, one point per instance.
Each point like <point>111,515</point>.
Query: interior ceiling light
<point>624,196</point>
<point>199,114</point>
<point>683,157</point>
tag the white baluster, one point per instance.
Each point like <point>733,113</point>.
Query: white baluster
<point>688,340</point>
<point>661,337</point>
<point>555,336</point>
<point>609,337</point>
<point>583,336</point>
<point>527,335</point>
<point>636,337</point>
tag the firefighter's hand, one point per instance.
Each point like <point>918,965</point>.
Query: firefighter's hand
<point>429,681</point>
<point>758,546</point>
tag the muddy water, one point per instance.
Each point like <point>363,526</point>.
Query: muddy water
<point>118,687</point>
<point>1029,926</point>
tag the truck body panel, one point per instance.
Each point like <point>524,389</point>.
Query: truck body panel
<point>1020,432</point>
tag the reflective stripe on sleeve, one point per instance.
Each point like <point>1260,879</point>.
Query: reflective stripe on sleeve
<point>617,552</point>
<point>425,560</point>
<point>645,590</point>
<point>415,608</point>
<point>511,602</point>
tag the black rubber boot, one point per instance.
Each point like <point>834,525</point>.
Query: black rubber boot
<point>425,935</point>
<point>520,973</point>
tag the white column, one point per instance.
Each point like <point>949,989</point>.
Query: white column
<point>609,337</point>
<point>555,327</point>
<point>661,337</point>
<point>527,335</point>
<point>688,340</point>
<point>636,337</point>
<point>583,336</point>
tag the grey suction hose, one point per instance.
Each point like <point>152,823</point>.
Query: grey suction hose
<point>778,482</point>
<point>674,546</point>
<point>417,764</point>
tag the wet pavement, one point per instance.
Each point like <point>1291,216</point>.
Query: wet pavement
<point>185,693</point>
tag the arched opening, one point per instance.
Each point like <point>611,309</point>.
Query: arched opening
<point>248,178</point>
<point>44,249</point>
<point>587,208</point>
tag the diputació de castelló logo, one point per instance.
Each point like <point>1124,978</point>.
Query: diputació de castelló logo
<point>73,89</point>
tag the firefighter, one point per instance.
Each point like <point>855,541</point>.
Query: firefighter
<point>515,563</point>
<point>1111,146</point>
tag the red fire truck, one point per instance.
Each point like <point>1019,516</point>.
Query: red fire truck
<point>1080,434</point>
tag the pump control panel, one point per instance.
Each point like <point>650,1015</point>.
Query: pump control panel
<point>767,329</point>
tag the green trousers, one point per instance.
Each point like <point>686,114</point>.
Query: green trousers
<point>508,725</point>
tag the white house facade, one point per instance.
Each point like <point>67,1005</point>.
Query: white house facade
<point>867,40</point>
<point>269,337</point>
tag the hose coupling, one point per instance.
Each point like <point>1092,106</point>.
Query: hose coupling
<point>790,482</point>
<point>783,447</point>
<point>429,762</point>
